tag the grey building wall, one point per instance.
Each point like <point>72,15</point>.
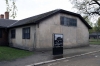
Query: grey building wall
<point>41,37</point>
<point>73,36</point>
<point>19,42</point>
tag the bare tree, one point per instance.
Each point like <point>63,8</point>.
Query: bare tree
<point>87,7</point>
<point>11,7</point>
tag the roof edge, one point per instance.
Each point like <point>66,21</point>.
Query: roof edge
<point>53,13</point>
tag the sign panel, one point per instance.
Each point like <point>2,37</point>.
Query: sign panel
<point>58,40</point>
<point>58,44</point>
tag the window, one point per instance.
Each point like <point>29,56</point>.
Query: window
<point>62,20</point>
<point>72,22</point>
<point>26,33</point>
<point>68,21</point>
<point>13,33</point>
<point>0,33</point>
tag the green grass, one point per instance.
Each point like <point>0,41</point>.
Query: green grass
<point>94,41</point>
<point>7,53</point>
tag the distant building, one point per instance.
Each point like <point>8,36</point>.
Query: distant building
<point>94,35</point>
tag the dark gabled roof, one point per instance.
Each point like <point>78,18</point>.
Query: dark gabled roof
<point>33,19</point>
<point>38,18</point>
<point>4,23</point>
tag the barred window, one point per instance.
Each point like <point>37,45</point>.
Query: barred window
<point>26,33</point>
<point>68,21</point>
<point>13,33</point>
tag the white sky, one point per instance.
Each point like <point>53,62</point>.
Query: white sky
<point>28,8</point>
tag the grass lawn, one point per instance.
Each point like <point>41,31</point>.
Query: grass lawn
<point>7,53</point>
<point>94,41</point>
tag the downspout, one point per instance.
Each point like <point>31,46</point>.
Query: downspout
<point>35,39</point>
<point>35,36</point>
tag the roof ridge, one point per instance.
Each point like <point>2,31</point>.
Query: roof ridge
<point>38,15</point>
<point>41,14</point>
<point>37,18</point>
<point>13,23</point>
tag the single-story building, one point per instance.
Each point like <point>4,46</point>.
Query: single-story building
<point>37,32</point>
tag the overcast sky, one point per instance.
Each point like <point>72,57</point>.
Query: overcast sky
<point>28,8</point>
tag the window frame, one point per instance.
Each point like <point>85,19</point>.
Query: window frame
<point>13,33</point>
<point>26,33</point>
<point>66,21</point>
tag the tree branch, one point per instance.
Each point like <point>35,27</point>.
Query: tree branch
<point>96,2</point>
<point>92,3</point>
<point>95,13</point>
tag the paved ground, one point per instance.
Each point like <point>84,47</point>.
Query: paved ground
<point>45,56</point>
<point>86,60</point>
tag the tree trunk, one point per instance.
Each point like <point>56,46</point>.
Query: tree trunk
<point>97,36</point>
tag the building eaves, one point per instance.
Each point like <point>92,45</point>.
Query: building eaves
<point>4,23</point>
<point>38,18</point>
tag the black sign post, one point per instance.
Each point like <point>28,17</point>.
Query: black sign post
<point>58,44</point>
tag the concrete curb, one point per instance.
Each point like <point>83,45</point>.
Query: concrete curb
<point>50,61</point>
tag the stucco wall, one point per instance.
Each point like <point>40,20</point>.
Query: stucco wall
<point>41,37</point>
<point>82,34</point>
<point>73,36</point>
<point>18,42</point>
